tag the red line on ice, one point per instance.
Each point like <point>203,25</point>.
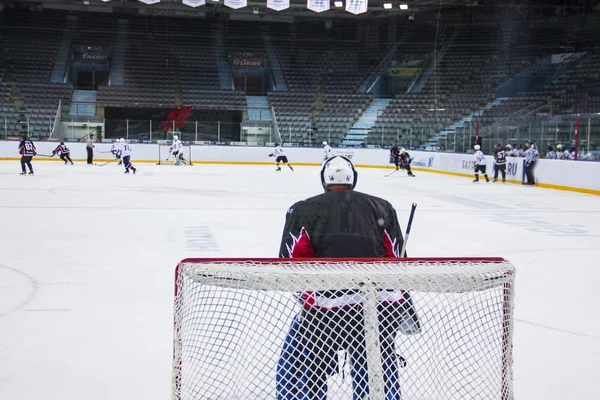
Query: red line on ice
<point>34,287</point>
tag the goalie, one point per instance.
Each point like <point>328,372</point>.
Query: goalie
<point>346,224</point>
<point>177,151</point>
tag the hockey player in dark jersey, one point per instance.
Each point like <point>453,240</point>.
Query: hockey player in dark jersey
<point>341,223</point>
<point>63,151</point>
<point>405,161</point>
<point>395,155</point>
<point>27,151</point>
<point>499,163</point>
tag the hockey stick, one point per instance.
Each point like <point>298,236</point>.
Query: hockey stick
<point>100,165</point>
<point>393,172</point>
<point>44,155</point>
<point>410,220</point>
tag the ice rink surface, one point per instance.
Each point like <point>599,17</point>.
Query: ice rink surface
<point>87,258</point>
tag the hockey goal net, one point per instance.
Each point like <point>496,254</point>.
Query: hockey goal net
<point>165,157</point>
<point>409,329</point>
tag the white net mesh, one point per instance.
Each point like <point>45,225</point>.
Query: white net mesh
<point>343,329</point>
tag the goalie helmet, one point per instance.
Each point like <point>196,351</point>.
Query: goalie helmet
<point>477,147</point>
<point>402,150</point>
<point>338,170</point>
<point>175,137</point>
<point>122,140</point>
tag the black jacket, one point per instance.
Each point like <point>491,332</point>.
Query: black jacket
<point>341,224</point>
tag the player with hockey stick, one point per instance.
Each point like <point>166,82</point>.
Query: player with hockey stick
<point>480,164</point>
<point>63,152</point>
<point>125,152</point>
<point>395,155</point>
<point>116,150</point>
<point>348,224</point>
<point>177,150</point>
<point>499,163</point>
<point>328,151</point>
<point>281,157</point>
<point>405,161</point>
<point>27,151</point>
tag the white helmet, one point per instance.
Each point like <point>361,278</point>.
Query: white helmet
<point>175,137</point>
<point>558,147</point>
<point>122,140</point>
<point>324,143</point>
<point>402,150</point>
<point>477,147</point>
<point>338,170</point>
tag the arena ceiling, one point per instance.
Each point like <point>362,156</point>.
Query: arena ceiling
<point>212,8</point>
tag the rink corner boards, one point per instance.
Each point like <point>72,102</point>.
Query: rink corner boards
<point>301,164</point>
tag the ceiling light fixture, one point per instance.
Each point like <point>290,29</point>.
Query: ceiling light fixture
<point>404,6</point>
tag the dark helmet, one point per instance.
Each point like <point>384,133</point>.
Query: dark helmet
<point>62,143</point>
<point>276,144</point>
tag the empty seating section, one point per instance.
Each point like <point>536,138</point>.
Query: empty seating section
<point>339,113</point>
<point>172,62</point>
<point>29,42</point>
<point>459,85</point>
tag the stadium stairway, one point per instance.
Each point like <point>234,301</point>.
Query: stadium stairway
<point>421,79</point>
<point>64,51</point>
<point>279,83</point>
<point>117,68</point>
<point>369,83</point>
<point>225,77</point>
<point>360,130</point>
<point>258,108</point>
<point>451,130</point>
<point>83,103</point>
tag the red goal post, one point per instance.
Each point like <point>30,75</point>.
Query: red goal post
<point>166,158</point>
<point>452,326</point>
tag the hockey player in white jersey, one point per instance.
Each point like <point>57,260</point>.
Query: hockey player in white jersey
<point>177,150</point>
<point>116,150</point>
<point>328,151</point>
<point>125,150</point>
<point>281,157</point>
<point>480,164</point>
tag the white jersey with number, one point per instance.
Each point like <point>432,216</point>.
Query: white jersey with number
<point>278,152</point>
<point>125,149</point>
<point>115,147</point>
<point>176,146</point>
<point>328,152</point>
<point>479,158</point>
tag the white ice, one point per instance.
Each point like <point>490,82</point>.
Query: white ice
<point>87,257</point>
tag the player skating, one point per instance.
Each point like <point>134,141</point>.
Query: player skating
<point>63,152</point>
<point>27,151</point>
<point>116,150</point>
<point>328,151</point>
<point>341,223</point>
<point>405,161</point>
<point>281,157</point>
<point>177,151</point>
<point>480,165</point>
<point>395,155</point>
<point>499,163</point>
<point>125,150</point>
